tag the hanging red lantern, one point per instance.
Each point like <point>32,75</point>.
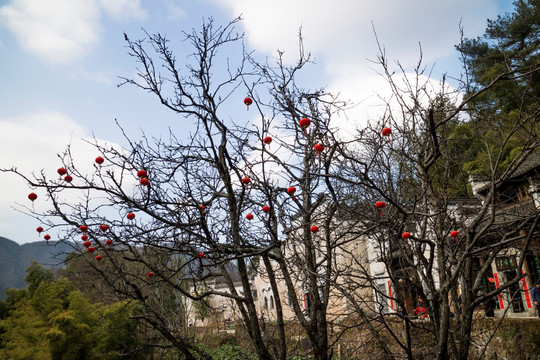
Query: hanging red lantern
<point>314,229</point>
<point>380,205</point>
<point>68,178</point>
<point>39,229</point>
<point>406,236</point>
<point>130,216</point>
<point>387,132</point>
<point>202,210</point>
<point>142,174</point>
<point>32,196</point>
<point>61,171</point>
<point>91,249</point>
<point>104,227</point>
<point>98,258</point>
<point>267,140</point>
<point>291,190</point>
<point>266,210</point>
<point>84,237</point>
<point>201,255</point>
<point>248,101</point>
<point>304,124</point>
<point>83,228</point>
<point>87,244</point>
<point>319,148</point>
<point>145,182</point>
<point>99,160</point>
<point>249,217</point>
<point>246,181</point>
<point>108,242</point>
<point>150,275</point>
<point>47,237</point>
<point>454,234</point>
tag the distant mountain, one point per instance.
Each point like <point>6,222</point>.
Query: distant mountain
<point>15,258</point>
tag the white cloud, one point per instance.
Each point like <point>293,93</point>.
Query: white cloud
<point>63,31</point>
<point>124,9</point>
<point>175,11</point>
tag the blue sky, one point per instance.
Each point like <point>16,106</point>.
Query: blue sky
<point>60,64</point>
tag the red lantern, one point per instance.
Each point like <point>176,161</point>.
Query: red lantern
<point>454,234</point>
<point>142,174</point>
<point>406,236</point>
<point>84,237</point>
<point>246,181</point>
<point>68,178</point>
<point>304,124</point>
<point>266,210</point>
<point>39,229</point>
<point>83,228</point>
<point>130,216</point>
<point>249,217</point>
<point>47,237</point>
<point>145,182</point>
<point>201,255</point>
<point>314,229</point>
<point>98,258</point>
<point>104,227</point>
<point>319,148</point>
<point>267,140</point>
<point>387,132</point>
<point>202,209</point>
<point>291,190</point>
<point>91,249</point>
<point>61,171</point>
<point>99,160</point>
<point>108,242</point>
<point>150,275</point>
<point>248,101</point>
<point>32,196</point>
<point>380,205</point>
<point>87,244</point>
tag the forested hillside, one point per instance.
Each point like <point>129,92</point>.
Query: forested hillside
<point>15,258</point>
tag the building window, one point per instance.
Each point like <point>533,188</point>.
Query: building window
<point>266,303</point>
<point>271,302</point>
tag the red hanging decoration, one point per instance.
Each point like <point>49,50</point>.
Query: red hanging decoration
<point>291,190</point>
<point>61,171</point>
<point>202,210</point>
<point>248,101</point>
<point>246,181</point>
<point>108,242</point>
<point>87,244</point>
<point>104,227</point>
<point>406,236</point>
<point>266,210</point>
<point>380,205</point>
<point>304,124</point>
<point>145,182</point>
<point>150,275</point>
<point>39,229</point>
<point>142,174</point>
<point>83,228</point>
<point>47,237</point>
<point>249,217</point>
<point>454,234</point>
<point>387,132</point>
<point>91,249</point>
<point>32,196</point>
<point>130,216</point>
<point>68,178</point>
<point>84,237</point>
<point>98,258</point>
<point>319,148</point>
<point>99,160</point>
<point>267,140</point>
<point>314,229</point>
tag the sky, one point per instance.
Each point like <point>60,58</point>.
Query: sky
<point>61,63</point>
